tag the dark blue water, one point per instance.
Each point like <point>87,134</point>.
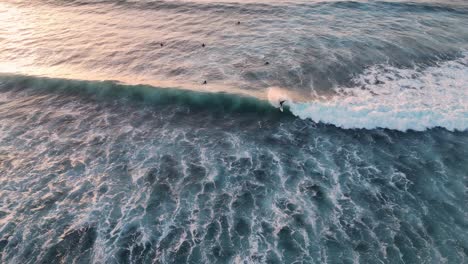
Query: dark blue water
<point>367,162</point>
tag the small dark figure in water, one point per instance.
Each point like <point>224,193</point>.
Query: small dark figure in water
<point>204,82</point>
<point>238,22</point>
<point>161,44</point>
<point>281,104</point>
<point>203,45</point>
<point>267,63</point>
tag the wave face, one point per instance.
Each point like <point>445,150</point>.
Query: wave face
<point>147,95</point>
<point>367,162</point>
<point>395,98</point>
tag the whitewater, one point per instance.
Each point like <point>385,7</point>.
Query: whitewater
<point>401,99</point>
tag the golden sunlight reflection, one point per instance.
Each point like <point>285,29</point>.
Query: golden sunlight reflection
<point>52,41</point>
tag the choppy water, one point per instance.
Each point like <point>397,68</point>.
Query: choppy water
<point>368,163</point>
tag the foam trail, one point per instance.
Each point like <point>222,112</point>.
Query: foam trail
<point>401,99</point>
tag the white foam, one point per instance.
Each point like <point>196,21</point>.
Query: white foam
<point>400,99</point>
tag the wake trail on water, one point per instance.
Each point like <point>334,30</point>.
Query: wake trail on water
<point>385,96</point>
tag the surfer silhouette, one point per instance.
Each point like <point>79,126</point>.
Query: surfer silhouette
<point>281,104</point>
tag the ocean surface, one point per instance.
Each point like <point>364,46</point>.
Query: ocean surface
<point>114,150</point>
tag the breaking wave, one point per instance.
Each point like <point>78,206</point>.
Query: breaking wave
<point>382,96</point>
<point>108,90</point>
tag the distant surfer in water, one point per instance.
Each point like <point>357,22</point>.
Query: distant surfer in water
<point>281,104</point>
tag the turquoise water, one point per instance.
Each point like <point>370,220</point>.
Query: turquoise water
<point>113,151</point>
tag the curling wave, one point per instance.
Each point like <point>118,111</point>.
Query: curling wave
<point>218,102</point>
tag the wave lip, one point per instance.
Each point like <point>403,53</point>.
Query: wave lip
<point>399,99</point>
<point>217,102</point>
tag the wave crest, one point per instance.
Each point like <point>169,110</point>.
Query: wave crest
<point>218,102</point>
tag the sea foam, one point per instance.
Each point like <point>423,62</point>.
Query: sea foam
<point>401,99</point>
